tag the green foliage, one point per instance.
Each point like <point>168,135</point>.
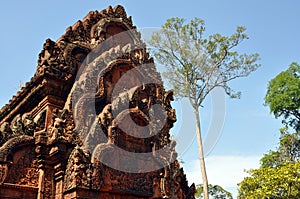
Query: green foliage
<point>280,182</point>
<point>279,174</point>
<point>271,159</point>
<point>283,96</point>
<point>197,64</point>
<point>215,191</point>
<point>288,150</point>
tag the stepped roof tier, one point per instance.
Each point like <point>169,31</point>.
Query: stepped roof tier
<point>84,126</point>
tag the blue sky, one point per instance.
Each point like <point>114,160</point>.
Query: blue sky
<point>249,130</point>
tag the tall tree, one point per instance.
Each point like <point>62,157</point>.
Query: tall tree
<point>283,96</point>
<point>197,64</point>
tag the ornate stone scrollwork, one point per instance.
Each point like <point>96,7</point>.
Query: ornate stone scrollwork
<point>78,172</point>
<point>52,62</point>
<point>62,128</point>
<point>42,149</point>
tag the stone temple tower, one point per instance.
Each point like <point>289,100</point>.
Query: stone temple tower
<point>93,121</point>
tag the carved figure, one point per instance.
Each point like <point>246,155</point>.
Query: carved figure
<point>5,132</point>
<point>106,116</point>
<point>17,126</point>
<point>29,125</point>
<point>40,120</point>
<point>56,130</point>
<point>78,171</point>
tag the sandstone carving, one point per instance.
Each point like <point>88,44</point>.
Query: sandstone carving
<point>75,131</point>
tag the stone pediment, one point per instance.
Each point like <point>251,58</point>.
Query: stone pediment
<point>59,61</point>
<point>84,126</point>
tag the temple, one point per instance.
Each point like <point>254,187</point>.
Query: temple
<point>93,121</point>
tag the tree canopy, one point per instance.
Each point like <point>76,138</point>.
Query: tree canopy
<point>197,64</point>
<point>288,150</point>
<point>280,182</point>
<point>283,96</point>
<point>215,191</point>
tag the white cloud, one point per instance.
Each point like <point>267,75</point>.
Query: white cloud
<point>225,171</point>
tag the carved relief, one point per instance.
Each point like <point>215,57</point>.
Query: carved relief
<point>3,172</point>
<point>25,170</point>
<point>62,159</point>
<point>40,120</point>
<point>62,128</point>
<point>5,132</point>
<point>49,186</point>
<point>52,62</point>
<point>78,172</point>
<point>28,124</point>
<point>127,182</point>
<point>156,189</point>
<point>17,126</point>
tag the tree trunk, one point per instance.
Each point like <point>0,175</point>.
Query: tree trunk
<point>201,154</point>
